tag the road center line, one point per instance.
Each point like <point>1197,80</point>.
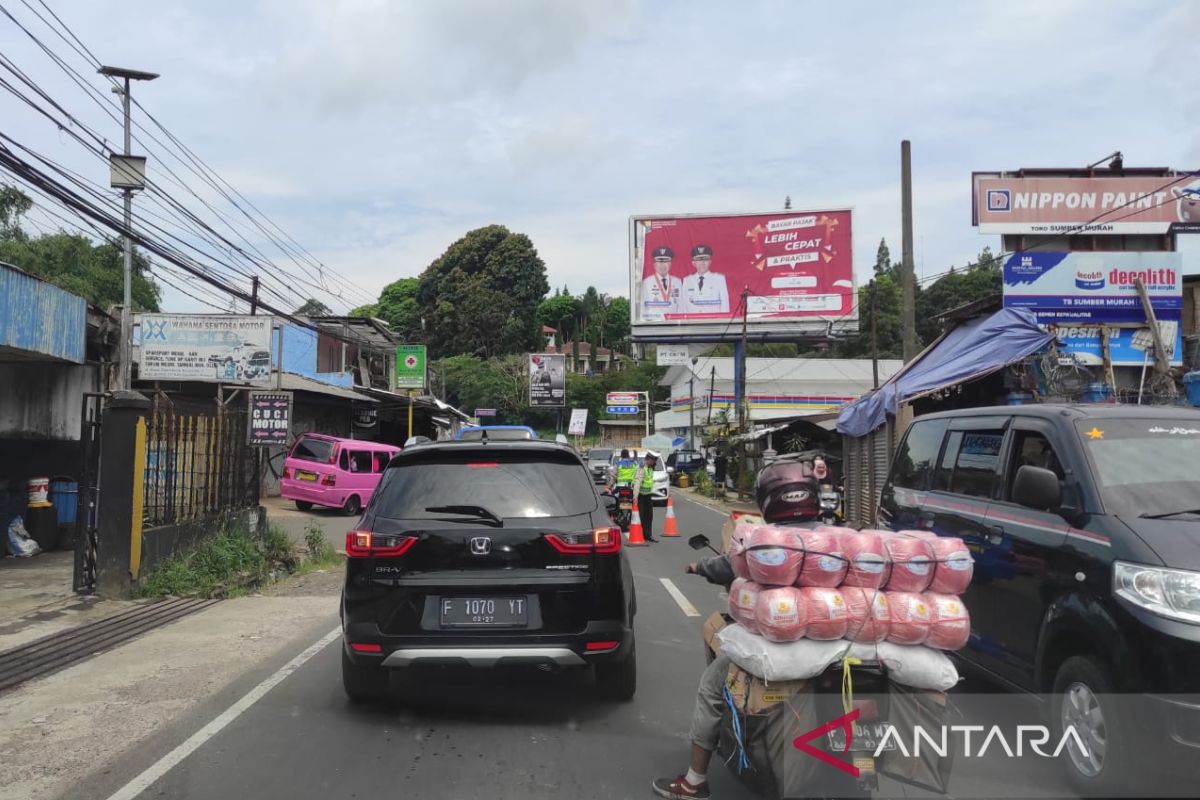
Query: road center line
<point>165,764</point>
<point>673,590</point>
<point>704,506</point>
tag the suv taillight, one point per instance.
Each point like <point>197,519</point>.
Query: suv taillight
<point>601,540</point>
<point>287,473</point>
<point>364,544</point>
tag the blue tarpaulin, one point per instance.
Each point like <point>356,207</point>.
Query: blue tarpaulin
<point>972,350</point>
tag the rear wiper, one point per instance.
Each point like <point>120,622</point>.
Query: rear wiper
<point>1169,514</point>
<point>474,511</point>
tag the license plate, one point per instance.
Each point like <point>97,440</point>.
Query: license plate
<point>306,476</point>
<point>626,506</point>
<point>866,738</point>
<point>485,612</point>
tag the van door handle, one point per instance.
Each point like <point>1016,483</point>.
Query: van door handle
<point>995,535</point>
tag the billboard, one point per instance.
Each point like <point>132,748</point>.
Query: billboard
<point>1133,204</point>
<point>270,418</point>
<point>1127,346</point>
<point>1093,287</point>
<point>578,424</point>
<point>687,273</point>
<point>205,347</point>
<point>547,380</point>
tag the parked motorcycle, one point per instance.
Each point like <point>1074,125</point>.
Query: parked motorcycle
<point>829,496</point>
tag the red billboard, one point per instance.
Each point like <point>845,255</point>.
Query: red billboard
<point>690,271</point>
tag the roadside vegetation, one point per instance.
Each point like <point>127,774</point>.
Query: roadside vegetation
<point>234,563</point>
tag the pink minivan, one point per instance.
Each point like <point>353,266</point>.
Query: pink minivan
<point>337,473</point>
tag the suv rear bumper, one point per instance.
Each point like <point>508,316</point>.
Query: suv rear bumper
<point>558,650</point>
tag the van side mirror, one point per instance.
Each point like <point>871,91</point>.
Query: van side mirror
<point>1036,487</point>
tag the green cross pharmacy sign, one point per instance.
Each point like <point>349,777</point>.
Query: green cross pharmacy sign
<point>410,366</point>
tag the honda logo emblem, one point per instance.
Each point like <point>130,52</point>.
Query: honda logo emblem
<point>481,546</point>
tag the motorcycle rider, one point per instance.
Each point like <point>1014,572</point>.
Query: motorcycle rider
<point>710,704</point>
<point>626,470</point>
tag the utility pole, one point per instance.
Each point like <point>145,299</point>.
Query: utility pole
<point>874,335</point>
<point>254,295</point>
<point>740,368</point>
<point>712,388</point>
<point>128,173</point>
<point>907,276</point>
<point>692,411</point>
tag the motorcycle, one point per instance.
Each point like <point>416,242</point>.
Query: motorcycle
<point>623,515</point>
<point>828,495</point>
<point>855,740</point>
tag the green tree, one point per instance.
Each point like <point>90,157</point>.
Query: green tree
<point>616,323</point>
<point>883,260</point>
<point>983,278</point>
<point>398,307</point>
<point>73,262</point>
<point>482,294</point>
<point>559,312</point>
<point>887,304</point>
<point>313,308</point>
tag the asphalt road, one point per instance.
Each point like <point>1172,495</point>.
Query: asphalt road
<point>460,735</point>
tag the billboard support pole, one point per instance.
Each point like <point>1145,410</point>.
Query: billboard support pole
<point>712,387</point>
<point>692,411</point>
<point>908,279</point>
<point>739,377</point>
<point>874,337</point>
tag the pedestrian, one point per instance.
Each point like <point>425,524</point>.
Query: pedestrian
<point>662,291</point>
<point>645,490</point>
<point>704,292</point>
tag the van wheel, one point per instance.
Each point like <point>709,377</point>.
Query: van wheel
<point>363,683</point>
<point>618,680</point>
<point>353,506</point>
<point>1084,698</point>
<point>304,505</point>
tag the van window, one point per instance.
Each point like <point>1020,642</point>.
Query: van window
<point>914,459</point>
<point>381,460</point>
<point>360,461</point>
<point>941,479</point>
<point>1034,450</point>
<point>317,450</point>
<point>975,464</point>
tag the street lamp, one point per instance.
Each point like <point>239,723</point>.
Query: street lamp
<point>127,172</point>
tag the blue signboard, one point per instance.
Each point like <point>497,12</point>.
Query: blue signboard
<point>622,409</point>
<point>1126,346</point>
<point>1093,288</point>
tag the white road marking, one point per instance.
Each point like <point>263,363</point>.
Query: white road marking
<point>673,590</point>
<point>165,764</point>
<point>705,506</point>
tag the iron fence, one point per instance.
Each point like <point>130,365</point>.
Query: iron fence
<point>198,464</point>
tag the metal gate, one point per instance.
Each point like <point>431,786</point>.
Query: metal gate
<point>87,516</point>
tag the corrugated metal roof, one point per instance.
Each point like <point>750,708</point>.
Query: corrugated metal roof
<point>38,319</point>
<point>299,383</point>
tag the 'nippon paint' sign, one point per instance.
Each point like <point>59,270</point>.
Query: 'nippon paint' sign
<point>1104,205</point>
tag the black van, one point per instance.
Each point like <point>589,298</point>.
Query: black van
<point>1084,522</point>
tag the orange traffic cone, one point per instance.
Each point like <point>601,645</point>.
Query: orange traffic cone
<point>635,530</point>
<point>670,527</point>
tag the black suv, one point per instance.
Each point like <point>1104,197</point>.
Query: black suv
<point>483,554</point>
<point>1085,527</point>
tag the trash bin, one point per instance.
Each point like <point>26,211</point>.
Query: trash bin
<point>1097,393</point>
<point>64,494</point>
<point>1191,385</point>
<point>41,523</point>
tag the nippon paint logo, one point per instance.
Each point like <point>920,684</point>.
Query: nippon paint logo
<point>968,741</point>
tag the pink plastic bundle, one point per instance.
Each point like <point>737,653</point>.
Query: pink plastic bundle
<point>928,536</point>
<point>953,567</point>
<point>736,551</point>
<point>823,562</point>
<point>782,614</point>
<point>867,615</point>
<point>774,555</point>
<point>868,567</point>
<point>743,600</point>
<point>949,623</point>
<point>827,618</point>
<point>912,563</point>
<point>909,618</point>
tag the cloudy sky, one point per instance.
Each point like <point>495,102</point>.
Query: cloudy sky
<point>375,132</point>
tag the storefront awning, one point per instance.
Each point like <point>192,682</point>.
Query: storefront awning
<point>972,350</point>
<point>299,383</point>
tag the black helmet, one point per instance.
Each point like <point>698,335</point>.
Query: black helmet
<point>624,453</point>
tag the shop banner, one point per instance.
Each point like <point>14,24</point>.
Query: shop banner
<point>547,380</point>
<point>797,265</point>
<point>205,347</point>
<point>673,355</point>
<point>1104,205</point>
<point>1093,287</point>
<point>1128,347</point>
<point>410,366</point>
<point>270,418</point>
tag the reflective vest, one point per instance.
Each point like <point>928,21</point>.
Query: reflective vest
<point>647,486</point>
<point>626,471</point>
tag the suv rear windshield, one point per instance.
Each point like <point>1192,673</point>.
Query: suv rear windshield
<point>317,450</point>
<point>1144,466</point>
<point>511,485</point>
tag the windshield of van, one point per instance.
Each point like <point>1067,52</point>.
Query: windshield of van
<point>598,456</point>
<point>317,450</point>
<point>1144,466</point>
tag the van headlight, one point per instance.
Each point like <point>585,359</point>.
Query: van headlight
<point>1170,593</point>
